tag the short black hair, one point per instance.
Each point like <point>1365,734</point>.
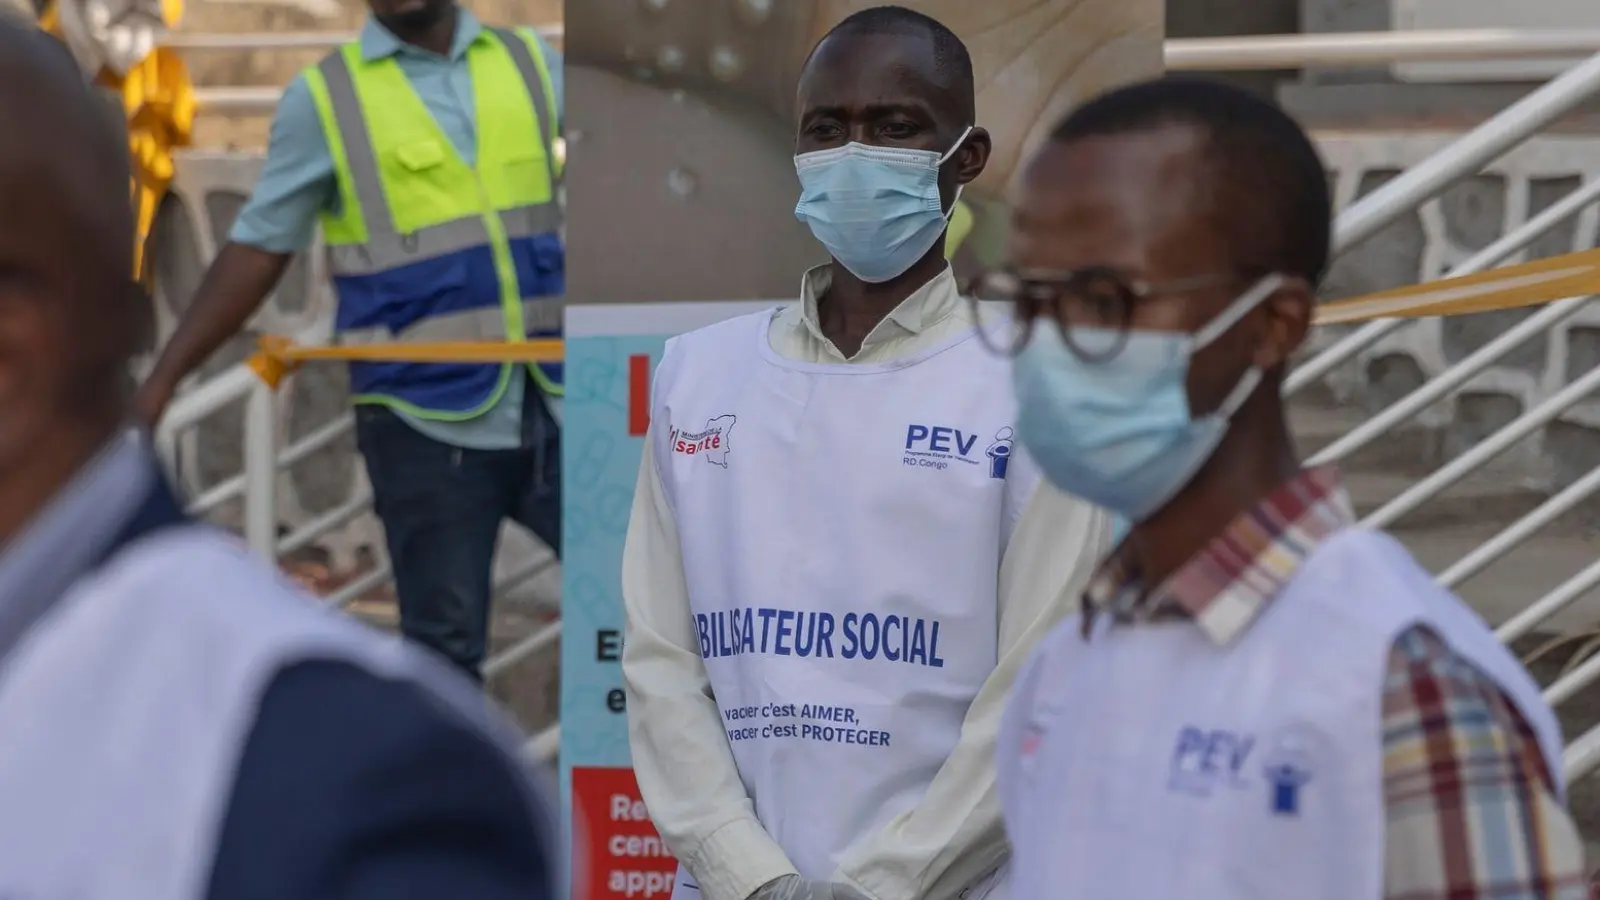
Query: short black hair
<point>950,55</point>
<point>1274,199</point>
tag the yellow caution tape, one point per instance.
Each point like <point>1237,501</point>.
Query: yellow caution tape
<point>279,356</point>
<point>1510,287</point>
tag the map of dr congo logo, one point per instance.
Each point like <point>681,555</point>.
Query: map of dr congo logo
<point>710,443</point>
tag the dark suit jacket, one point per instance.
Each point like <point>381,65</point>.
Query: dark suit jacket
<point>352,787</point>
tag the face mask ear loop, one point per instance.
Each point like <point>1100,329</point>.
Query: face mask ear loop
<point>959,141</point>
<point>949,213</point>
<point>1247,301</point>
<point>1241,392</point>
<point>1251,379</point>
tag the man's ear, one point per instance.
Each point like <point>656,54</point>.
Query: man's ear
<point>1289,313</point>
<point>973,157</point>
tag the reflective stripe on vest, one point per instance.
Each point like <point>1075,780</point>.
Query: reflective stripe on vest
<point>377,237</point>
<point>538,317</point>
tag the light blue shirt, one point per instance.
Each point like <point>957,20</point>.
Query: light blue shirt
<point>297,182</point>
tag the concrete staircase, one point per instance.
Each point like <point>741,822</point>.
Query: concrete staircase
<point>1464,516</point>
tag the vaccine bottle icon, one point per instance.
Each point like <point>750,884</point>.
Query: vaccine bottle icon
<point>999,453</point>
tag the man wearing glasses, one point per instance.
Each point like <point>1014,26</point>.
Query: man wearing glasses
<point>1259,699</point>
<point>834,566</point>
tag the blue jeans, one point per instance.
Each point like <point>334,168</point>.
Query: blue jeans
<point>441,508</point>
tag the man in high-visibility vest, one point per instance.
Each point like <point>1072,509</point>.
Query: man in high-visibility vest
<point>426,150</point>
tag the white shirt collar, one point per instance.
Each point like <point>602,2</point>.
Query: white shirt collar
<point>929,305</point>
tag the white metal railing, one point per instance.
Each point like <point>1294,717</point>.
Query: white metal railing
<point>1376,48</point>
<point>1261,52</point>
<point>288,40</point>
<point>1366,335</point>
<point>1361,220</point>
<point>1469,153</point>
<point>1213,54</point>
<point>256,486</point>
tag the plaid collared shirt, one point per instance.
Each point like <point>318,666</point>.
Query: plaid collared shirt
<point>1470,810</point>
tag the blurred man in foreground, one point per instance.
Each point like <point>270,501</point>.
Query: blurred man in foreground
<point>1260,698</point>
<point>180,724</point>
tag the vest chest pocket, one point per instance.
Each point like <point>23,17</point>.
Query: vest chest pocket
<point>541,265</point>
<point>527,173</point>
<point>428,191</point>
<point>420,156</point>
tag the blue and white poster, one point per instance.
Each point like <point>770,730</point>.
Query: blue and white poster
<point>611,353</point>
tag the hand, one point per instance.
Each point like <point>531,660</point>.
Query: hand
<point>793,887</point>
<point>150,402</point>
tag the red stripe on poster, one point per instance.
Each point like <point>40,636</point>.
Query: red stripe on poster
<point>638,395</point>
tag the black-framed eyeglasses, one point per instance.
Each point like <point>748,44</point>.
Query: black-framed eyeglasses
<point>1093,307</point>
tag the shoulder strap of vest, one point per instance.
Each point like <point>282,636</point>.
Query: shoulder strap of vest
<point>158,512</point>
<point>534,78</point>
<point>340,84</point>
<point>338,80</point>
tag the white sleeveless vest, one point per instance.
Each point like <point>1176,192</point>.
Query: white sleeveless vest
<point>1149,762</point>
<point>127,705</point>
<point>842,528</point>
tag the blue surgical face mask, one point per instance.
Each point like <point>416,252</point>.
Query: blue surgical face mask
<point>876,209</point>
<point>1119,529</point>
<point>1119,432</point>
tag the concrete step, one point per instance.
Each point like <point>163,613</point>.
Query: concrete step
<point>1316,424</point>
<point>1457,521</point>
<point>1516,580</point>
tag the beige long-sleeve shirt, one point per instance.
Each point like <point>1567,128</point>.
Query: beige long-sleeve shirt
<point>685,768</point>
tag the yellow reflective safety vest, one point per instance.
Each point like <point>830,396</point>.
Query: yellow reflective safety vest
<point>426,248</point>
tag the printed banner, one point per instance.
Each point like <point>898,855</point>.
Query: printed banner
<point>612,351</point>
<point>616,853</point>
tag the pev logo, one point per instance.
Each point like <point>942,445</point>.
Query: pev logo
<point>1205,759</point>
<point>937,446</point>
<point>710,442</point>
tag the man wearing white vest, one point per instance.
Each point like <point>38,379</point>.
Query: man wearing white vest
<point>837,560</point>
<point>1260,698</point>
<point>179,723</point>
